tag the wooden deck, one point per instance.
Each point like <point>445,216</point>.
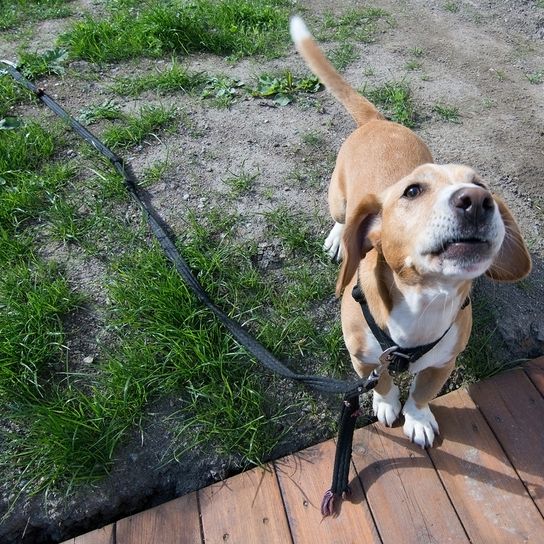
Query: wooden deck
<point>482,483</point>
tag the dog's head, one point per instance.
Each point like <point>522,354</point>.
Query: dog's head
<point>438,223</point>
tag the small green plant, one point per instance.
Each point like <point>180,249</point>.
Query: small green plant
<point>536,78</point>
<point>240,183</point>
<point>342,56</point>
<point>108,110</point>
<point>452,7</point>
<point>282,89</point>
<point>174,79</point>
<point>222,90</point>
<point>361,24</point>
<point>412,65</point>
<point>34,65</point>
<point>447,113</point>
<point>136,128</point>
<point>396,99</point>
<point>11,93</point>
<point>313,139</point>
<point>16,12</point>
<point>155,172</point>
<point>417,52</point>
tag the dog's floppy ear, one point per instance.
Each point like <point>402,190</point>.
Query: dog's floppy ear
<point>356,243</point>
<point>513,261</point>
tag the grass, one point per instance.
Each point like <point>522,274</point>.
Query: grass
<point>107,110</point>
<point>395,100</point>
<point>447,113</point>
<point>230,27</point>
<point>35,65</point>
<point>135,128</point>
<point>240,183</point>
<point>359,24</point>
<point>14,13</point>
<point>536,78</point>
<point>452,7</point>
<point>173,79</point>
<point>342,56</point>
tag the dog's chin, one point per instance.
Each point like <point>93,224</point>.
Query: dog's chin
<point>460,259</point>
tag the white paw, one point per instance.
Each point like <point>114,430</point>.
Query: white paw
<point>420,425</point>
<point>333,243</point>
<point>387,407</point>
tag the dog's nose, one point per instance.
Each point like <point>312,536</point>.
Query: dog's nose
<point>473,203</point>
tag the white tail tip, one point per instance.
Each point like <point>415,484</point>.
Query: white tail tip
<point>299,30</point>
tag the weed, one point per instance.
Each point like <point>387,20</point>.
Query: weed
<point>15,12</point>
<point>11,93</point>
<point>359,24</point>
<point>282,89</point>
<point>417,52</point>
<point>108,110</point>
<point>413,65</point>
<point>447,113</point>
<point>174,79</point>
<point>135,128</point>
<point>230,27</point>
<point>35,65</point>
<point>222,90</point>
<point>240,183</point>
<point>452,7</point>
<point>536,78</point>
<point>154,173</point>
<point>342,56</point>
<point>313,139</point>
<point>396,99</point>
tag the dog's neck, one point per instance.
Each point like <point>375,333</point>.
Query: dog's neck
<point>412,314</point>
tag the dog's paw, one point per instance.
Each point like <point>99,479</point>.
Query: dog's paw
<point>420,425</point>
<point>387,407</point>
<point>333,243</point>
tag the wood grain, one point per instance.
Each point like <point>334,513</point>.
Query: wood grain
<point>304,478</point>
<point>244,509</point>
<point>99,536</point>
<point>535,371</point>
<point>406,496</point>
<point>491,501</point>
<point>174,522</point>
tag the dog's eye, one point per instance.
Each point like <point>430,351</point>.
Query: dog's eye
<point>412,191</point>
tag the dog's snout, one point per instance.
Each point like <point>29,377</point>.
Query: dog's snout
<point>474,203</point>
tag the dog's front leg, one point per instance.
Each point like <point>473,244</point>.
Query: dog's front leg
<point>385,401</point>
<point>420,425</point>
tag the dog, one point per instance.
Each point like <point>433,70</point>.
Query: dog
<point>412,236</point>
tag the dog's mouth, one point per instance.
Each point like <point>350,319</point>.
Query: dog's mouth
<point>462,248</point>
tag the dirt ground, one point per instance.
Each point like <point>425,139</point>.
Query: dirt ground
<point>476,58</point>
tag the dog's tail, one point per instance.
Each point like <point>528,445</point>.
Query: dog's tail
<point>359,107</point>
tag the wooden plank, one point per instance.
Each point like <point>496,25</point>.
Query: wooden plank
<point>106,535</point>
<point>304,478</point>
<point>514,409</point>
<point>535,371</point>
<point>174,522</point>
<point>489,498</point>
<point>406,496</point>
<point>245,508</point>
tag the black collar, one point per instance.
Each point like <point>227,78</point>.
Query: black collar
<point>401,357</point>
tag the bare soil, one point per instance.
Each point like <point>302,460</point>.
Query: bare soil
<point>476,58</point>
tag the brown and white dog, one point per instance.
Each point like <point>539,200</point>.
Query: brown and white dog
<point>414,234</point>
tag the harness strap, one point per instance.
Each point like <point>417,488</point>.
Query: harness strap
<point>401,357</point>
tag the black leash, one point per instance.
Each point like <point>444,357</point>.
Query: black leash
<point>350,390</point>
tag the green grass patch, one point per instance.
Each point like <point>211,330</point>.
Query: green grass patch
<point>173,79</point>
<point>447,113</point>
<point>11,94</point>
<point>135,129</point>
<point>360,24</point>
<point>15,12</point>
<point>107,110</point>
<point>395,101</point>
<point>35,65</point>
<point>230,27</point>
<point>536,78</point>
<point>240,183</point>
<point>342,56</point>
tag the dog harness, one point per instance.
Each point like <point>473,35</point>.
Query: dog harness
<point>399,358</point>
